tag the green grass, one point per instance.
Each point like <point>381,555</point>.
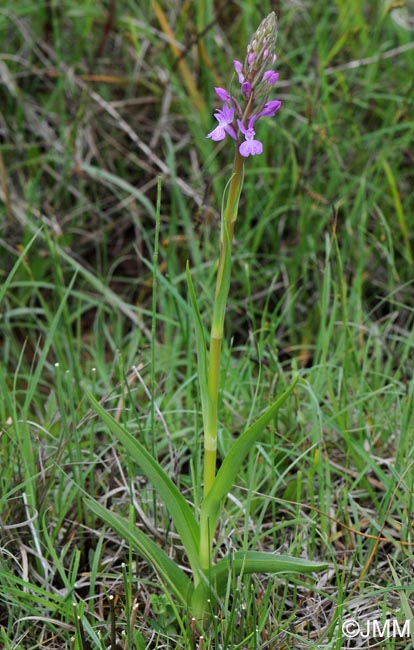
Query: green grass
<point>94,110</point>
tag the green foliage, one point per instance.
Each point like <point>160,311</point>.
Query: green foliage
<point>166,568</point>
<point>94,109</point>
<point>194,537</point>
<point>178,508</point>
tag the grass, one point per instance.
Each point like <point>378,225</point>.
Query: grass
<point>97,103</point>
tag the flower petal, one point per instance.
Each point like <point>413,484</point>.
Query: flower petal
<point>241,127</point>
<point>271,77</point>
<point>217,134</point>
<point>268,110</point>
<point>222,94</point>
<point>246,88</point>
<point>239,69</point>
<point>232,133</point>
<point>251,148</point>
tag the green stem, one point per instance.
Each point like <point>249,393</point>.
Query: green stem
<point>229,217</point>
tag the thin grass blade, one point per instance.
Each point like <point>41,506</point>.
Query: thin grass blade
<point>398,209</point>
<point>201,347</point>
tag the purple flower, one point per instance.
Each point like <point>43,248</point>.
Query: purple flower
<point>224,118</point>
<point>239,69</point>
<point>246,88</point>
<point>268,110</point>
<point>249,102</point>
<point>271,77</point>
<point>250,147</point>
<point>222,94</point>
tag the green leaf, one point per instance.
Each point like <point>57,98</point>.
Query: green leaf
<point>398,209</point>
<point>223,283</point>
<point>247,562</point>
<point>228,471</point>
<point>51,331</point>
<point>22,257</point>
<point>183,518</point>
<point>201,352</point>
<point>166,568</point>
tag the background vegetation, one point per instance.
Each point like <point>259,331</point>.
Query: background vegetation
<point>99,99</point>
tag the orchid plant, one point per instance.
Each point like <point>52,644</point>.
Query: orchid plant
<point>197,524</point>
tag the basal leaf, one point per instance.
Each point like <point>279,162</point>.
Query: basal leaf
<point>248,562</point>
<point>231,464</point>
<point>166,568</point>
<point>180,512</point>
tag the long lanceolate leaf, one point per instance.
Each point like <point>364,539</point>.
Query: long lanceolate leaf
<point>260,562</point>
<point>228,471</point>
<point>166,568</point>
<point>180,512</point>
<point>247,562</point>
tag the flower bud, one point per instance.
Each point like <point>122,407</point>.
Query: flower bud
<point>262,44</point>
<point>222,94</point>
<point>260,55</point>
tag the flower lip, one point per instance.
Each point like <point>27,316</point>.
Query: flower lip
<point>250,147</point>
<point>219,133</point>
<point>224,118</point>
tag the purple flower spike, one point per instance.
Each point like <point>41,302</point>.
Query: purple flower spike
<point>250,147</point>
<point>222,94</point>
<point>239,69</point>
<point>249,101</point>
<point>224,118</point>
<point>271,77</point>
